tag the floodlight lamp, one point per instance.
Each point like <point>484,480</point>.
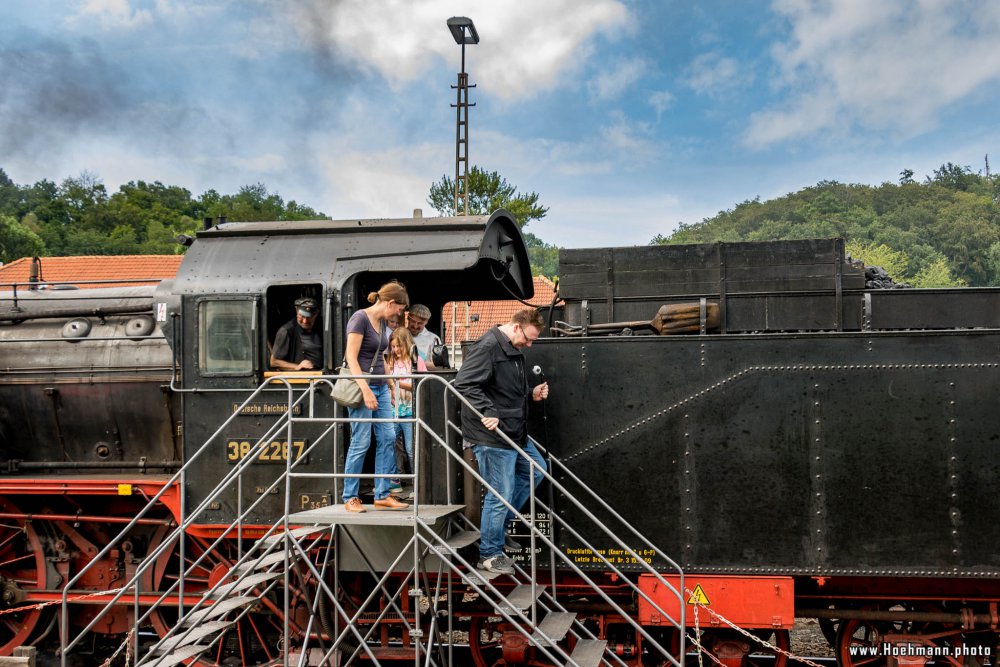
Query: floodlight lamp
<point>463,30</point>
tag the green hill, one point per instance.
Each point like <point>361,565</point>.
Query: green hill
<point>941,232</point>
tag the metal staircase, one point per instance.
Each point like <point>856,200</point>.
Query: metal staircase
<point>303,573</point>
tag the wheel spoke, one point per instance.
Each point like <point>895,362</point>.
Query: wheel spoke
<point>857,637</point>
<point>22,562</point>
<point>18,559</point>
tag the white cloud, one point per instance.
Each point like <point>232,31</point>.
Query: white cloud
<point>521,51</point>
<point>887,65</point>
<point>618,147</point>
<point>381,183</point>
<point>114,14</point>
<point>628,141</point>
<point>713,74</point>
<point>616,79</point>
<point>661,100</point>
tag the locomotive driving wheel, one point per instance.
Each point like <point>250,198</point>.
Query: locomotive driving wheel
<point>22,570</point>
<point>860,642</point>
<point>485,642</point>
<point>255,639</point>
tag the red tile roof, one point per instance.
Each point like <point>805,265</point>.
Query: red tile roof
<point>490,312</point>
<point>142,269</point>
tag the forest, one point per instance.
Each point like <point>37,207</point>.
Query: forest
<point>938,231</point>
<point>80,217</point>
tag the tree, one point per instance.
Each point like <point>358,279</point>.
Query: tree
<point>895,262</point>
<point>954,177</point>
<point>254,203</point>
<point>488,191</point>
<point>9,195</point>
<point>17,241</point>
<point>544,256</point>
<point>936,274</point>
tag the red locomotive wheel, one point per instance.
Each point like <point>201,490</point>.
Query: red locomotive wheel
<point>781,639</point>
<point>254,640</point>
<point>22,570</point>
<point>485,642</point>
<point>859,642</point>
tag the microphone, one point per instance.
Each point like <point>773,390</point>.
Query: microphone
<point>537,370</point>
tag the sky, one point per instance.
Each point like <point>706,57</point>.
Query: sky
<point>627,117</point>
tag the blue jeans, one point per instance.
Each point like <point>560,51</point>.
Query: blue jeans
<point>361,437</point>
<point>522,471</point>
<point>407,431</point>
<point>509,473</point>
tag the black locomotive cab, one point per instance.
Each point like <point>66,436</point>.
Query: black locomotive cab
<point>238,285</point>
<point>239,281</point>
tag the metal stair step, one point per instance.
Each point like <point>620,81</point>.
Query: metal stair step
<point>208,612</point>
<point>175,657</point>
<point>263,563</point>
<point>477,576</point>
<point>191,636</point>
<point>245,584</point>
<point>462,538</point>
<point>587,653</point>
<point>521,598</point>
<point>553,627</point>
<point>294,533</point>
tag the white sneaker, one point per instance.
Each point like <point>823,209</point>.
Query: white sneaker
<point>498,564</point>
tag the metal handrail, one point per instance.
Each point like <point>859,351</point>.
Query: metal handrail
<point>65,644</point>
<point>535,532</point>
<point>287,419</point>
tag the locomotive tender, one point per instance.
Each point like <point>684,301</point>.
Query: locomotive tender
<point>798,431</point>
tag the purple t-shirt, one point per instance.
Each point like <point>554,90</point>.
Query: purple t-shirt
<point>371,343</point>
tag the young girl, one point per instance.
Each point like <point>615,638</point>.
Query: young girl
<point>401,360</point>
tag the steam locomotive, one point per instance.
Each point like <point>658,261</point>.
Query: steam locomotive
<point>798,444</point>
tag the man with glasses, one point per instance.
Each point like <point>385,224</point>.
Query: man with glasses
<point>495,380</point>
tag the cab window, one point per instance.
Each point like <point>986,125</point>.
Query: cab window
<point>224,337</point>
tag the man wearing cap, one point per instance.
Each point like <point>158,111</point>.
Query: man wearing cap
<point>298,345</point>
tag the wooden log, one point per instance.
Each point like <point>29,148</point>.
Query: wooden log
<point>673,316</point>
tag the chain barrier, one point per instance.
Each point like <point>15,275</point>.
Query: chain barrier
<point>42,605</point>
<point>763,642</point>
<point>126,645</point>
<point>696,642</point>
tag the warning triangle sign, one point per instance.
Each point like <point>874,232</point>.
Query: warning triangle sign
<point>698,596</point>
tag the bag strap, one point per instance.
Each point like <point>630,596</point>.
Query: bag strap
<point>378,351</point>
<point>371,368</point>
